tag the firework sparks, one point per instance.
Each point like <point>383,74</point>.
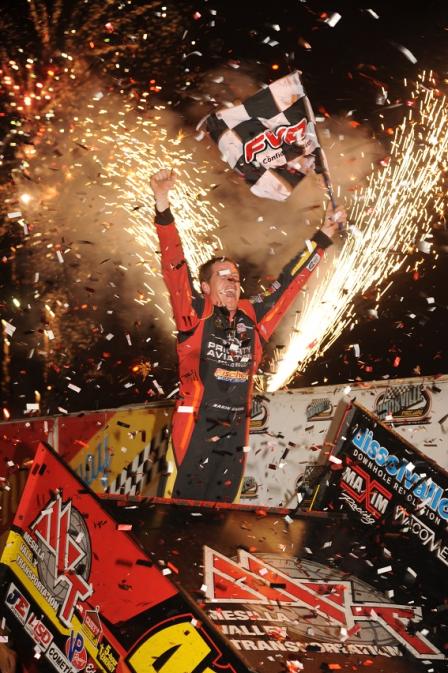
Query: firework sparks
<point>395,210</point>
<point>129,151</point>
<point>86,190</point>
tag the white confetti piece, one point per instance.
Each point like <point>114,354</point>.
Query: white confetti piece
<point>9,329</point>
<point>408,54</point>
<point>424,246</point>
<point>183,409</point>
<point>158,387</point>
<point>59,256</point>
<point>109,336</point>
<point>72,386</point>
<point>384,569</point>
<point>333,19</point>
<point>14,214</point>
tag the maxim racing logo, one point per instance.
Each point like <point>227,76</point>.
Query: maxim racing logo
<point>364,494</point>
<point>275,138</point>
<point>306,598</point>
<point>61,544</point>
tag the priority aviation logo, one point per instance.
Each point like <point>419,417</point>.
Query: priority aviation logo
<point>62,547</point>
<point>309,599</point>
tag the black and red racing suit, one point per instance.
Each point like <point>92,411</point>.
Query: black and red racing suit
<point>218,358</point>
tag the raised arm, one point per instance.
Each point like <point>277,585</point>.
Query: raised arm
<point>271,305</point>
<point>185,301</point>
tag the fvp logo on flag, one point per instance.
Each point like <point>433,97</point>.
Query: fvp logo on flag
<point>270,139</point>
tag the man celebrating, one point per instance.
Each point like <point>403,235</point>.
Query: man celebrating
<point>219,343</point>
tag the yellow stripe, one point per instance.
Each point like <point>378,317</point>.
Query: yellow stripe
<point>306,254</point>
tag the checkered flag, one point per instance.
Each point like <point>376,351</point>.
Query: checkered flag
<point>271,138</point>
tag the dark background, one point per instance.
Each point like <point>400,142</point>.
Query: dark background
<point>344,70</point>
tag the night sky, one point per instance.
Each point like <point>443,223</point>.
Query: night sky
<point>345,68</point>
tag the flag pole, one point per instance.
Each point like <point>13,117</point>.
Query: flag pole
<point>320,153</point>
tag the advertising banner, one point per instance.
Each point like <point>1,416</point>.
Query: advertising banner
<point>115,450</point>
<point>379,479</point>
<point>296,593</point>
<point>288,429</point>
<point>78,594</point>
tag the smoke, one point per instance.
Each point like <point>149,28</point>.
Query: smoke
<point>93,265</point>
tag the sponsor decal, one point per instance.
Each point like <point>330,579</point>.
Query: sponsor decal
<point>249,488</point>
<point>365,491</point>
<point>320,409</point>
<point>58,659</point>
<point>426,535</point>
<point>179,644</point>
<point>91,625</point>
<point>228,375</point>
<point>38,631</point>
<point>403,474</point>
<point>275,138</point>
<point>97,463</point>
<point>229,352</point>
<point>407,404</point>
<point>259,414</point>
<point>272,289</point>
<point>364,516</point>
<point>17,603</point>
<point>61,542</point>
<point>314,261</point>
<point>107,656</point>
<point>75,651</point>
<point>307,596</point>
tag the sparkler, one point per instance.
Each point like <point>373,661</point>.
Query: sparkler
<point>399,206</point>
